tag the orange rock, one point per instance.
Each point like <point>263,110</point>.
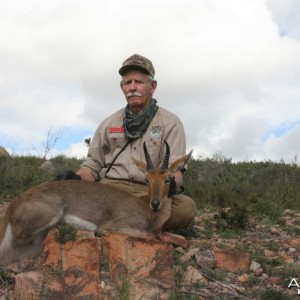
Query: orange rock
<point>274,280</point>
<point>243,278</point>
<point>52,250</point>
<point>63,271</point>
<point>146,265</point>
<point>258,272</point>
<point>80,262</point>
<point>27,283</point>
<point>83,252</point>
<point>275,231</point>
<point>72,270</point>
<point>269,253</point>
<point>192,276</point>
<point>232,260</point>
<point>295,243</point>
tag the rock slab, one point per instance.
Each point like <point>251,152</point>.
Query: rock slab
<point>96,268</point>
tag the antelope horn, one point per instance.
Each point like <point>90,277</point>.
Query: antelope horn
<point>148,159</point>
<point>165,164</point>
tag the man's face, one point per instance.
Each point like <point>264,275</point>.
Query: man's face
<point>138,90</point>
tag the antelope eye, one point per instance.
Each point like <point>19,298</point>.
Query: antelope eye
<point>168,180</point>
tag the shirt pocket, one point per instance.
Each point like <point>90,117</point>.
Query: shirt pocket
<point>115,142</point>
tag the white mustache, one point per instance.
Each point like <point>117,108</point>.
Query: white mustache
<point>133,94</point>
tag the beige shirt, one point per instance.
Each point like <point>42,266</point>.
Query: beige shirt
<point>109,139</point>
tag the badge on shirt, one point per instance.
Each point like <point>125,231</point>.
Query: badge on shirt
<point>155,131</point>
<point>116,129</point>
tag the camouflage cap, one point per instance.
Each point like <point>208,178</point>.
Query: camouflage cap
<point>137,62</point>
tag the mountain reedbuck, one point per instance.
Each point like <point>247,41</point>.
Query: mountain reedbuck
<point>89,206</point>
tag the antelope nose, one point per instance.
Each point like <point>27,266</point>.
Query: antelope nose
<point>155,204</point>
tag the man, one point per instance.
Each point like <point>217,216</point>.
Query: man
<point>121,136</point>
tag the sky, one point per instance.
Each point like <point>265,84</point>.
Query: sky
<point>230,69</point>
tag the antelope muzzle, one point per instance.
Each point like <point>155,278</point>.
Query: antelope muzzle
<point>155,205</point>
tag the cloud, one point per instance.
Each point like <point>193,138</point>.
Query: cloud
<point>285,147</point>
<point>287,16</point>
<point>231,78</point>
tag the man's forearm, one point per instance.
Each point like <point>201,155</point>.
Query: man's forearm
<point>86,174</point>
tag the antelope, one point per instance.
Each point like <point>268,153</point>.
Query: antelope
<point>85,205</point>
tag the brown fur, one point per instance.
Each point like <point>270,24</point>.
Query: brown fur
<point>31,215</point>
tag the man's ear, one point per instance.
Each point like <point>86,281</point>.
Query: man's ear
<point>154,86</point>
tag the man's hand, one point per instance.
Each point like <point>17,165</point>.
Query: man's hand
<point>68,175</point>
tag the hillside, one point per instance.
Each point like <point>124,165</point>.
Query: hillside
<point>248,210</point>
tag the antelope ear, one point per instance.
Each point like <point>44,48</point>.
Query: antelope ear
<point>140,164</point>
<point>180,163</point>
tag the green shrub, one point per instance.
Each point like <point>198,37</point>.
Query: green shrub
<point>66,232</point>
<point>263,189</point>
<point>260,188</point>
<point>19,173</point>
<point>271,294</point>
